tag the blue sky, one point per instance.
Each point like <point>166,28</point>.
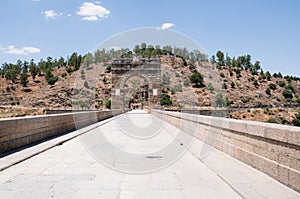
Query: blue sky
<point>267,30</point>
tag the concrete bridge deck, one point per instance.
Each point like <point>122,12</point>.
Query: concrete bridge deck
<point>66,167</point>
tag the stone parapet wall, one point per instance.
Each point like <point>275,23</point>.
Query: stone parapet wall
<point>19,132</point>
<point>271,148</point>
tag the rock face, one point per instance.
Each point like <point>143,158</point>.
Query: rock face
<point>91,87</point>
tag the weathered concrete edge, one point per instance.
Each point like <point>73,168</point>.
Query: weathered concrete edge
<point>236,131</point>
<point>30,152</point>
<point>20,132</point>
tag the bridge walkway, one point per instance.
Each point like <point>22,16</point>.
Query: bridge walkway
<point>135,155</point>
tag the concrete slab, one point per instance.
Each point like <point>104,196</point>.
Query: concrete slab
<point>70,170</point>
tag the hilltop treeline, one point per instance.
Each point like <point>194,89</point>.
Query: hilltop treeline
<point>22,69</point>
<point>245,63</point>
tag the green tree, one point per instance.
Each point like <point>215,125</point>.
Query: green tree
<point>61,62</point>
<point>24,79</point>
<point>256,66</point>
<point>49,77</point>
<point>213,59</point>
<point>268,76</point>
<point>25,67</point>
<point>220,56</point>
<point>33,69</point>
<point>143,46</point>
<point>73,60</point>
<point>197,79</point>
<point>137,50</point>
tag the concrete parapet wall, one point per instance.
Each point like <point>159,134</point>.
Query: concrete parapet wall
<point>19,132</point>
<point>271,148</point>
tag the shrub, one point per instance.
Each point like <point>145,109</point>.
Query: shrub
<point>232,84</point>
<point>271,120</point>
<point>8,89</point>
<point>255,83</point>
<point>108,103</point>
<point>259,78</point>
<point>272,86</point>
<point>224,86</point>
<point>222,75</point>
<point>291,87</point>
<point>245,100</point>
<point>64,74</point>
<point>220,101</point>
<point>268,76</point>
<point>108,68</point>
<point>210,87</point>
<point>86,85</point>
<point>186,83</point>
<point>197,79</point>
<point>165,99</point>
<point>69,70</point>
<point>268,91</point>
<point>176,88</point>
<point>287,93</point>
<point>298,100</point>
<point>296,120</point>
<point>281,83</point>
<point>82,104</point>
<point>288,78</point>
<point>283,120</point>
<point>52,80</point>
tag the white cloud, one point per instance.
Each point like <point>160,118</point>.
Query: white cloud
<point>90,11</point>
<point>20,51</point>
<point>166,26</point>
<point>51,14</point>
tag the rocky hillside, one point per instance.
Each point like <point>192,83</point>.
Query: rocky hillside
<point>255,95</point>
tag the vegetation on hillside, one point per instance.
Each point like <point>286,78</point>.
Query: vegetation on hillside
<point>242,80</point>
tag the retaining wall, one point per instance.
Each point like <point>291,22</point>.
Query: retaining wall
<point>271,148</point>
<point>19,132</point>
